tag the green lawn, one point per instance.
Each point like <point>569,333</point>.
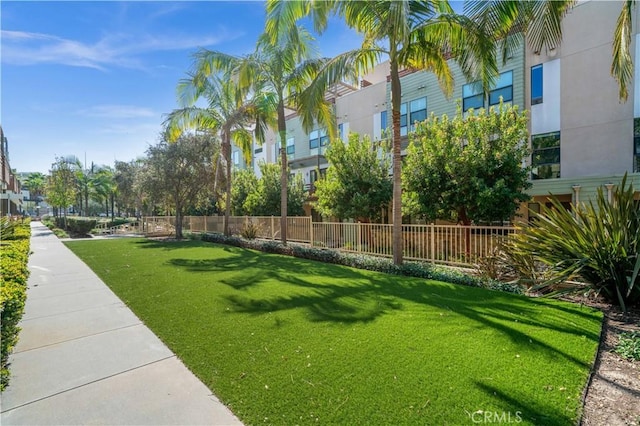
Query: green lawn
<point>287,341</point>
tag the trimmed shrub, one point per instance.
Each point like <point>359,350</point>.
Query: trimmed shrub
<point>13,293</point>
<point>370,263</point>
<point>77,227</point>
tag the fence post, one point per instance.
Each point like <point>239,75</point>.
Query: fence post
<point>272,230</point>
<point>433,242</point>
<point>359,236</point>
<point>311,230</point>
<point>205,224</point>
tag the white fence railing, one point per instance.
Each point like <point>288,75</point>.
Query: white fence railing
<point>447,244</point>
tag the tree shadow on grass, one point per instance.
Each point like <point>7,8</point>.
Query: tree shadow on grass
<point>363,296</point>
<point>522,407</point>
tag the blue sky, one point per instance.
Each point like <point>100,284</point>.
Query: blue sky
<point>94,79</point>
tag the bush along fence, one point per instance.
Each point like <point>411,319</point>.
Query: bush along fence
<point>14,254</point>
<point>445,244</point>
<point>364,261</point>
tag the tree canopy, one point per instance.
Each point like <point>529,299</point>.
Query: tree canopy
<point>468,169</point>
<point>357,184</point>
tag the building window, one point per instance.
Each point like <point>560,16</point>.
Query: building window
<point>235,157</point>
<point>472,96</point>
<point>502,88</point>
<point>314,139</point>
<point>536,85</point>
<point>313,176</point>
<point>418,109</point>
<point>324,139</point>
<point>545,156</point>
<point>291,147</point>
<point>341,131</point>
<point>403,119</point>
<point>383,120</point>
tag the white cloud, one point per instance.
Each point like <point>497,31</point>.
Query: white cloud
<point>113,50</point>
<point>117,111</point>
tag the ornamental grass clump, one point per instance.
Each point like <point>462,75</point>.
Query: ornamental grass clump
<point>593,248</point>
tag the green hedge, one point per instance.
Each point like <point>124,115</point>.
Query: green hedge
<point>77,227</point>
<point>371,263</point>
<point>13,292</point>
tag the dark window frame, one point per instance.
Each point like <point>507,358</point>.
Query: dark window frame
<point>546,158</point>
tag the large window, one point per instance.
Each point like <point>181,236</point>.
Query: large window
<point>291,147</point>
<point>418,111</point>
<point>502,88</point>
<point>536,85</point>
<point>235,157</point>
<point>545,156</point>
<point>383,120</point>
<point>318,138</point>
<point>403,119</point>
<point>472,96</point>
<point>314,139</point>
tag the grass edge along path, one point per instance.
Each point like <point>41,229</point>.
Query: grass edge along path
<point>282,340</point>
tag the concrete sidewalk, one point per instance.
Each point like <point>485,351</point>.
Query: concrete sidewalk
<point>85,358</point>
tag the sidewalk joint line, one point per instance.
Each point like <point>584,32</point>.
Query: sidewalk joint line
<point>88,383</point>
<point>79,338</point>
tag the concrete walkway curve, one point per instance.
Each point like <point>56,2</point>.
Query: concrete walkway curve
<point>84,358</point>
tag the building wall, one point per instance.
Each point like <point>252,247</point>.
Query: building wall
<point>581,101</point>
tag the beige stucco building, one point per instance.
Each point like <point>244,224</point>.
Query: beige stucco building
<point>582,135</point>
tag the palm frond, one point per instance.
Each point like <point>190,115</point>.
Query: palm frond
<point>622,64</point>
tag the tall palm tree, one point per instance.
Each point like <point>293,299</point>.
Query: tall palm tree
<point>36,183</point>
<point>104,187</point>
<point>281,66</point>
<point>231,112</point>
<point>539,21</point>
<point>410,34</point>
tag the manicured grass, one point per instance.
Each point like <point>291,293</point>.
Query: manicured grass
<point>288,341</point>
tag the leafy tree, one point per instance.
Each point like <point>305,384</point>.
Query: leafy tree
<point>230,112</point>
<point>245,182</point>
<point>468,168</point>
<point>125,176</point>
<point>61,185</point>
<point>420,35</point>
<point>264,200</point>
<point>357,184</point>
<point>176,173</point>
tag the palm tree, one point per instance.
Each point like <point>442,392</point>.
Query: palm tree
<point>104,187</point>
<point>410,34</point>
<point>540,22</point>
<point>36,183</point>
<point>281,66</point>
<point>230,112</point>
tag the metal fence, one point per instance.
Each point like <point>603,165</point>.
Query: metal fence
<point>446,244</point>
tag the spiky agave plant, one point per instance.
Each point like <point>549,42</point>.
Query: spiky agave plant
<point>596,244</point>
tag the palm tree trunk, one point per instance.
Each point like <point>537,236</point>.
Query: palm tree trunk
<point>227,157</point>
<point>397,164</point>
<point>284,176</point>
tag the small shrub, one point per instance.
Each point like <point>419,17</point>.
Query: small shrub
<point>597,244</point>
<point>13,287</point>
<point>370,263</point>
<point>628,346</point>
<point>250,231</point>
<point>7,229</point>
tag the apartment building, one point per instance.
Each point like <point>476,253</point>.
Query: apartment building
<point>11,196</point>
<point>582,135</point>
